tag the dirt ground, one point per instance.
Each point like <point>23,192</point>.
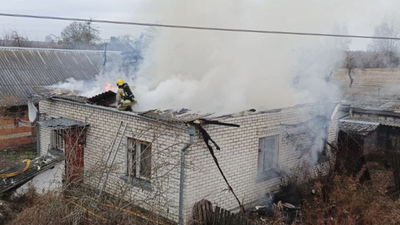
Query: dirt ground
<point>13,156</point>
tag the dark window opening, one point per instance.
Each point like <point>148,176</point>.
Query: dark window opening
<point>138,159</point>
<point>268,158</point>
<point>57,139</point>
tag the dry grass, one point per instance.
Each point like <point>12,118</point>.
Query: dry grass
<point>341,199</point>
<point>336,200</point>
<point>58,209</point>
<point>374,83</point>
<point>11,206</point>
<point>345,199</point>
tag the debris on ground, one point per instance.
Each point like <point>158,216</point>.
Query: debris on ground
<point>14,177</point>
<point>13,156</point>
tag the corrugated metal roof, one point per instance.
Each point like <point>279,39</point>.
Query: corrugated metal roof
<point>387,105</point>
<point>390,123</point>
<point>358,127</point>
<point>62,123</point>
<point>21,69</point>
<point>374,121</point>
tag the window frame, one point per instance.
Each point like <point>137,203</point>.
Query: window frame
<point>271,172</point>
<point>136,159</point>
<point>57,139</point>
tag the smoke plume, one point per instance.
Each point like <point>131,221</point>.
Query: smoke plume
<point>225,72</point>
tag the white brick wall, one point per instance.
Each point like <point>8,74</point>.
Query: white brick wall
<point>238,156</point>
<point>166,146</point>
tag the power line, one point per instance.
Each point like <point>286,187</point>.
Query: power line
<point>198,28</point>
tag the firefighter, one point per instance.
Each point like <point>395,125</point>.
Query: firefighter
<point>125,97</point>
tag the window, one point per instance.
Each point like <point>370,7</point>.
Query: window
<point>267,158</point>
<point>57,139</point>
<point>139,159</point>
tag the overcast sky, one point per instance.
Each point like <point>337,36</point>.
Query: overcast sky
<point>360,16</point>
<point>37,29</point>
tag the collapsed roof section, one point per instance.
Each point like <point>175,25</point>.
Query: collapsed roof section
<point>182,116</point>
<point>104,99</point>
<point>107,100</point>
<point>172,116</point>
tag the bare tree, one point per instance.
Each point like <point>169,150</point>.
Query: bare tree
<point>14,38</point>
<point>387,48</point>
<point>80,34</point>
<point>350,64</point>
<point>51,38</point>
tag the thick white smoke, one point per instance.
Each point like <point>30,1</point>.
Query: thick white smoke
<point>225,72</point>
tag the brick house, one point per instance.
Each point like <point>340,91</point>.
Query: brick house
<point>22,69</point>
<point>149,148</point>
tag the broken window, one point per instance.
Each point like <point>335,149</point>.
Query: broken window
<point>268,158</point>
<point>57,139</point>
<point>139,159</point>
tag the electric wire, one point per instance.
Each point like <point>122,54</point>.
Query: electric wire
<point>199,27</point>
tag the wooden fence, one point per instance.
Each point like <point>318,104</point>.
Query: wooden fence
<point>204,214</point>
<point>395,156</point>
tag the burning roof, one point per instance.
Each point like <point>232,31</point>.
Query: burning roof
<point>104,99</point>
<point>107,99</point>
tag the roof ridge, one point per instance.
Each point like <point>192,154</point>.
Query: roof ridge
<point>53,49</point>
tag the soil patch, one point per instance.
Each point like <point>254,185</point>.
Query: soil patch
<point>13,156</point>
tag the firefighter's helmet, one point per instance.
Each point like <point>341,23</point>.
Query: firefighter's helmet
<point>120,82</point>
